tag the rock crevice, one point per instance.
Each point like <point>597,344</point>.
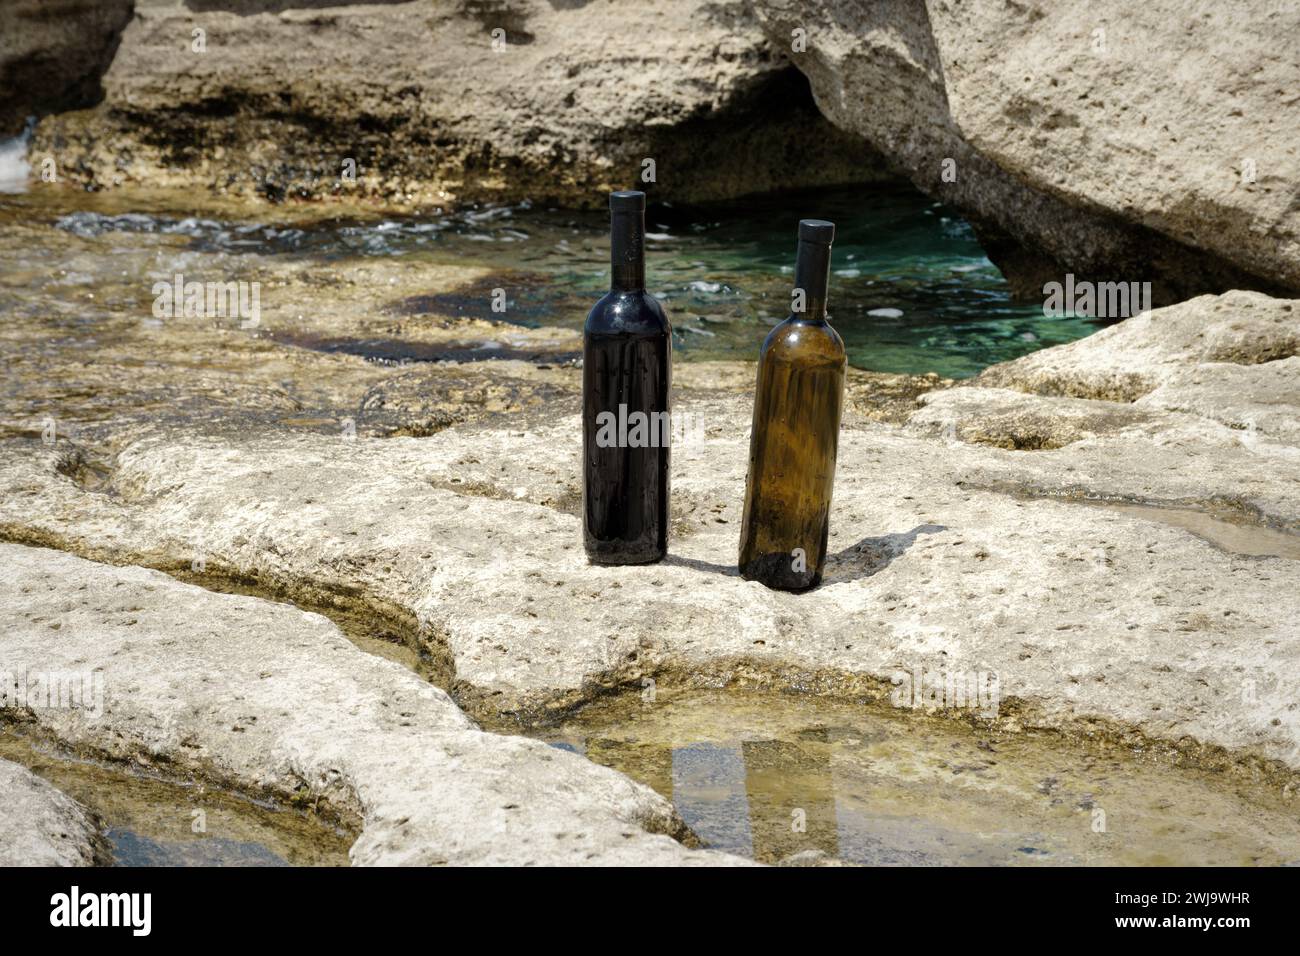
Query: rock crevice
<point>1115,155</point>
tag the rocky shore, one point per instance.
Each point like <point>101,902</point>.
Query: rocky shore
<point>1102,139</point>
<point>453,101</point>
<point>306,574</point>
<point>40,826</point>
<point>1059,133</point>
<point>963,538</point>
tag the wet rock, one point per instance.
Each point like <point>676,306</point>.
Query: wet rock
<point>274,701</point>
<point>1066,135</point>
<point>41,826</point>
<point>467,100</point>
<point>326,354</point>
<point>378,346</point>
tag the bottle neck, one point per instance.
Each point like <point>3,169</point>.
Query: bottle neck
<point>812,274</point>
<point>627,251</point>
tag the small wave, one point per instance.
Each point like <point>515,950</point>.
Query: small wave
<point>14,166</point>
<point>88,224</point>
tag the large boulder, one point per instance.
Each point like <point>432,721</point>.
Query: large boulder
<point>1150,143</point>
<point>471,100</point>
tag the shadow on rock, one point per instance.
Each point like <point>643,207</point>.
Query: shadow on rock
<point>861,560</point>
<point>872,555</point>
<point>731,570</point>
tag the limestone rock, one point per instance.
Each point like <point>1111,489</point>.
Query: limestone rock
<point>41,826</point>
<point>274,701</point>
<point>1128,361</point>
<point>1010,419</point>
<point>944,553</point>
<point>467,100</point>
<point>1123,156</point>
<point>1167,116</point>
<point>52,54</point>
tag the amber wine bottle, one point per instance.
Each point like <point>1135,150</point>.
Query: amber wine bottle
<point>626,379</point>
<point>796,429</point>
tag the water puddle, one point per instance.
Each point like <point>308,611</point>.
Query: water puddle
<point>1231,527</point>
<point>1254,540</point>
<point>151,822</point>
<point>401,351</point>
<point>777,777</point>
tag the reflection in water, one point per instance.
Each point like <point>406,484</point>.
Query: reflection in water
<point>788,778</point>
<point>135,849</point>
<point>709,791</point>
<point>768,799</point>
<point>784,822</point>
<point>153,822</point>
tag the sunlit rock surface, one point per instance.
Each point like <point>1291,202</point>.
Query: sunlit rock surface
<point>429,102</point>
<point>40,826</point>
<point>1122,143</point>
<point>945,551</point>
<point>275,702</point>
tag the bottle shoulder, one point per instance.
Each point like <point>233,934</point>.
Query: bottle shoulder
<point>637,313</point>
<point>797,339</point>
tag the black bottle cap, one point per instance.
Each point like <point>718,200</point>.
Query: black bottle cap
<point>627,200</point>
<point>815,230</point>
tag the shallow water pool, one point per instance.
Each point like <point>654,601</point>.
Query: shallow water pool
<point>912,290</point>
<point>789,778</point>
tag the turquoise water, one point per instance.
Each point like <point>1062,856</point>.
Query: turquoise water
<point>911,288</point>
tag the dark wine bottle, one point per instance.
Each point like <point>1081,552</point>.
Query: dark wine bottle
<point>626,379</point>
<point>792,446</point>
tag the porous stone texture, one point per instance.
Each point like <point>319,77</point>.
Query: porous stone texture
<point>1229,359</point>
<point>946,553</point>
<point>1129,362</point>
<point>457,99</point>
<point>1122,143</point>
<point>42,826</point>
<point>1013,420</point>
<point>1170,116</point>
<point>275,701</point>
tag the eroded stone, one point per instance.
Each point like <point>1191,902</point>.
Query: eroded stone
<point>41,826</point>
<point>531,100</point>
<point>274,701</point>
<point>945,554</point>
